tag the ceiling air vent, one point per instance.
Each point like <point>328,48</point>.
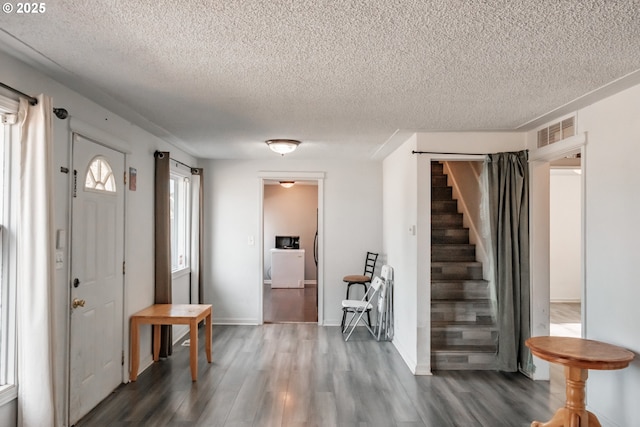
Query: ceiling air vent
<point>557,131</point>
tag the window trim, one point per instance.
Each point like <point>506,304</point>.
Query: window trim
<point>178,172</point>
<point>9,156</point>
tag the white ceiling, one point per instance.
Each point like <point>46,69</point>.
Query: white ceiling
<point>219,77</point>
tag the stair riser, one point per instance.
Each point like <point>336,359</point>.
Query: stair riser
<point>438,181</point>
<point>461,311</point>
<point>453,253</point>
<point>463,362</point>
<point>452,236</point>
<point>444,206</point>
<point>459,290</point>
<point>447,220</point>
<point>441,339</point>
<point>453,271</point>
<point>441,193</point>
<point>437,168</point>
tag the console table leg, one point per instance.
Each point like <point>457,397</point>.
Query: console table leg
<point>556,421</point>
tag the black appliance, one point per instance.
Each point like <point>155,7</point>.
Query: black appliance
<point>287,242</point>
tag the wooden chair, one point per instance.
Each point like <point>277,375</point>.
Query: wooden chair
<point>365,278</point>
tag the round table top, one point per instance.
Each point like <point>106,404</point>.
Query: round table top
<point>580,352</point>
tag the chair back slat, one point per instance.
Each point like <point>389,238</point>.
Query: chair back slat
<point>370,264</point>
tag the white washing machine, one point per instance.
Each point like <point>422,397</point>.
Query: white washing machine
<point>287,268</point>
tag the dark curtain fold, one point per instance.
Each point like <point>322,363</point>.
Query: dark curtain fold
<point>163,244</point>
<point>200,234</point>
<point>508,192</point>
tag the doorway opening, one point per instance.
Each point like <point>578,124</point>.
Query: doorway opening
<point>565,226</point>
<point>569,156</point>
<point>291,232</point>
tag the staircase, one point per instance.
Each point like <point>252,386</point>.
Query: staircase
<point>463,332</point>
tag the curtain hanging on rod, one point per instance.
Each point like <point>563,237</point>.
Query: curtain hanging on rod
<point>60,113</point>
<point>508,200</point>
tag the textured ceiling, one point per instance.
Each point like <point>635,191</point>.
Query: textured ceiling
<point>220,77</point>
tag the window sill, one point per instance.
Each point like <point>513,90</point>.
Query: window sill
<point>176,274</point>
<point>8,393</point>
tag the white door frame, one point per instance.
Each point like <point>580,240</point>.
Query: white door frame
<point>539,241</point>
<point>101,138</point>
<point>291,176</point>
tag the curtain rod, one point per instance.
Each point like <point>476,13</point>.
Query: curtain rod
<point>60,113</point>
<point>438,152</point>
<point>159,154</point>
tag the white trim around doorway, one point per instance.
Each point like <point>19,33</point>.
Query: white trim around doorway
<point>264,176</point>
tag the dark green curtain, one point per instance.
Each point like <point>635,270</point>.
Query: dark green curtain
<point>163,244</point>
<point>508,192</point>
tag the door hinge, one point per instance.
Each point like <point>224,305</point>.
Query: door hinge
<point>123,267</point>
<point>75,183</point>
<point>125,178</point>
<point>122,363</point>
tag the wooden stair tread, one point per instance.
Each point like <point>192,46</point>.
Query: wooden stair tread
<point>465,349</point>
<point>462,324</point>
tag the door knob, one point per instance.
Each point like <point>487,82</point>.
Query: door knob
<point>78,303</point>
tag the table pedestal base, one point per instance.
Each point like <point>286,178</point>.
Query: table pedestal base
<point>574,413</point>
<point>565,418</point>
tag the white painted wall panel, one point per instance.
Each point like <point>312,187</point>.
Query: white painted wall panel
<point>564,237</point>
<point>352,221</point>
<point>612,254</point>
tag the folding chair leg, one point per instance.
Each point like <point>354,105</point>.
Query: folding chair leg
<point>360,315</point>
<point>344,318</point>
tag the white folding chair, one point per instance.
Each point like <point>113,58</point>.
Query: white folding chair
<point>359,308</point>
<point>384,326</point>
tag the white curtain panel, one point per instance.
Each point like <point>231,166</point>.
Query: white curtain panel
<point>195,239</point>
<point>35,266</point>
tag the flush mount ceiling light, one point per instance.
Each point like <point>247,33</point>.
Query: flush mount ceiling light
<point>282,146</point>
<point>287,184</point>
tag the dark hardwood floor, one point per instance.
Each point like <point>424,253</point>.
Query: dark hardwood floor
<point>285,305</point>
<point>306,375</point>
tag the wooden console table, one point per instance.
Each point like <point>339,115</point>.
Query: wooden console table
<point>578,356</point>
<point>171,314</point>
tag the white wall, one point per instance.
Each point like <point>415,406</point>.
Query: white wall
<point>564,238</point>
<point>400,198</point>
<point>352,226</point>
<point>612,235</point>
<point>105,126</point>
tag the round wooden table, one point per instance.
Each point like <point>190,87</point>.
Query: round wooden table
<point>578,355</point>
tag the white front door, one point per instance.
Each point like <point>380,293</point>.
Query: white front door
<point>97,256</point>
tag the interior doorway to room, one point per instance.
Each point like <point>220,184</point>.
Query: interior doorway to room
<point>290,251</point>
<point>565,257</point>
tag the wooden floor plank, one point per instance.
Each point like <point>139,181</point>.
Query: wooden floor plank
<point>306,375</point>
